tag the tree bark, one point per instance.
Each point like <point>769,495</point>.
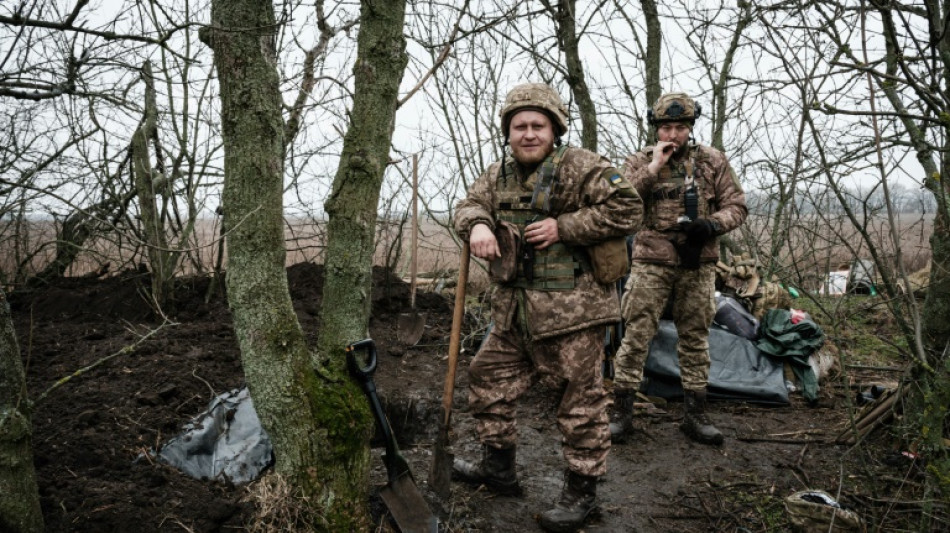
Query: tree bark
<point>568,40</point>
<point>721,85</point>
<point>319,423</point>
<point>19,497</point>
<point>381,61</point>
<point>159,257</point>
<point>654,47</point>
<point>931,396</point>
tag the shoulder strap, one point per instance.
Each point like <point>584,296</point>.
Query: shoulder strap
<point>547,180</point>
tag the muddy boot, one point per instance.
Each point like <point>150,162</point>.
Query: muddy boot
<point>621,425</point>
<point>575,504</point>
<point>696,424</point>
<point>496,471</point>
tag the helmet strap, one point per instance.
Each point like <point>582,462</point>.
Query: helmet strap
<point>504,156</point>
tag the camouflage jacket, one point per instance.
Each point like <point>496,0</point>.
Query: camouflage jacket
<point>721,200</point>
<point>591,203</point>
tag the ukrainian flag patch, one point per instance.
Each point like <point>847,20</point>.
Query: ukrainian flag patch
<point>615,180</point>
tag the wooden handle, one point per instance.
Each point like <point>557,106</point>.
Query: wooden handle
<point>456,335</point>
<point>414,266</point>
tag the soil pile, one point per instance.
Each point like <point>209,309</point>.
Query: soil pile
<point>92,434</point>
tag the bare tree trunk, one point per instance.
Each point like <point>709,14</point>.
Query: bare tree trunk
<point>318,423</point>
<point>568,40</point>
<point>78,227</point>
<point>721,84</point>
<point>381,61</point>
<point>654,47</point>
<point>19,497</point>
<point>159,257</point>
<point>928,403</point>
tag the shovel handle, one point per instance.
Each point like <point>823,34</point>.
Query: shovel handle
<point>455,337</point>
<point>362,373</point>
<point>396,465</point>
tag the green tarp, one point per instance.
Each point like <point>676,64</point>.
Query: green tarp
<point>780,338</point>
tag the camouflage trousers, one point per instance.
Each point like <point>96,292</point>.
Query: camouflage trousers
<point>694,307</point>
<point>508,364</point>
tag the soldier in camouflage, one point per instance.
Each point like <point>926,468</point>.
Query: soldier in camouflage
<point>548,311</point>
<point>691,196</point>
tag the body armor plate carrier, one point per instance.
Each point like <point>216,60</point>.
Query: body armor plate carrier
<point>555,267</point>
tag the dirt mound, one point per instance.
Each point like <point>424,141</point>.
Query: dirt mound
<point>91,434</point>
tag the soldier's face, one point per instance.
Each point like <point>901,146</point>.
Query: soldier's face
<point>531,136</point>
<point>674,132</point>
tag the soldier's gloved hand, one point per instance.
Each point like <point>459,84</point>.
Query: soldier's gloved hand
<point>689,255</point>
<point>699,231</point>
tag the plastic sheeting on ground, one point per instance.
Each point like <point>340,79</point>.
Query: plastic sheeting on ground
<point>738,370</point>
<point>225,442</point>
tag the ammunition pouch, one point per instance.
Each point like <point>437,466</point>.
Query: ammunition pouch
<point>609,260</point>
<point>551,269</point>
<point>505,268</point>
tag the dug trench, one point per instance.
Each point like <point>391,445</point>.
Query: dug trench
<point>92,434</point>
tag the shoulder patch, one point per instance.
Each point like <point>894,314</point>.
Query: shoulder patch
<point>617,181</point>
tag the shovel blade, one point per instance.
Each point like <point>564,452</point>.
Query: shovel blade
<point>410,328</point>
<point>440,471</point>
<point>407,506</point>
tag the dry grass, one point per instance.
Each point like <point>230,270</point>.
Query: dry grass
<point>811,248</point>
<point>279,507</point>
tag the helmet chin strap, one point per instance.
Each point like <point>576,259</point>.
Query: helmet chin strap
<point>504,155</point>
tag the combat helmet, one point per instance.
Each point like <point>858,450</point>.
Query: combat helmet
<point>539,96</point>
<point>674,107</point>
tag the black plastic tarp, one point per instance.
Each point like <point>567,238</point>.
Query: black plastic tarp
<point>738,370</point>
<point>226,441</point>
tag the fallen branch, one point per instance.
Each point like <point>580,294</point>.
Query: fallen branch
<point>124,351</point>
<point>873,416</point>
<point>881,368</point>
<point>688,517</point>
<point>782,441</point>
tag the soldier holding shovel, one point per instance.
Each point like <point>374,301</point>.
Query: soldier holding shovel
<point>551,219</point>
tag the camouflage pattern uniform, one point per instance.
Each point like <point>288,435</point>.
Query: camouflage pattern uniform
<point>555,334</point>
<point>656,272</point>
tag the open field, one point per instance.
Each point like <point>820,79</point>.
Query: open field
<point>807,251</point>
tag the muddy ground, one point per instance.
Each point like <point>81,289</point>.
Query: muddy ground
<point>91,432</point>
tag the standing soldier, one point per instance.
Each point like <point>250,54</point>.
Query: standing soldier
<point>691,196</point>
<point>544,218</point>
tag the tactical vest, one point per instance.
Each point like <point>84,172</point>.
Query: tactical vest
<point>522,203</point>
<point>665,205</point>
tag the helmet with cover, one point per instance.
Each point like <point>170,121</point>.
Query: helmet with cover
<point>674,107</point>
<point>536,96</point>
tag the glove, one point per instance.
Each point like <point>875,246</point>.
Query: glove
<point>699,231</point>
<point>689,255</point>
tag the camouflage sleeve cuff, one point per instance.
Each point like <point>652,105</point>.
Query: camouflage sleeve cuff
<point>465,233</point>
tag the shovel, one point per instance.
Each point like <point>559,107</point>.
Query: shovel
<point>401,496</point>
<point>441,469</point>
<point>411,325</point>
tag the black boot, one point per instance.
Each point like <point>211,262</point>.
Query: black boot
<point>696,424</point>
<point>622,426</point>
<point>575,504</point>
<point>496,471</point>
